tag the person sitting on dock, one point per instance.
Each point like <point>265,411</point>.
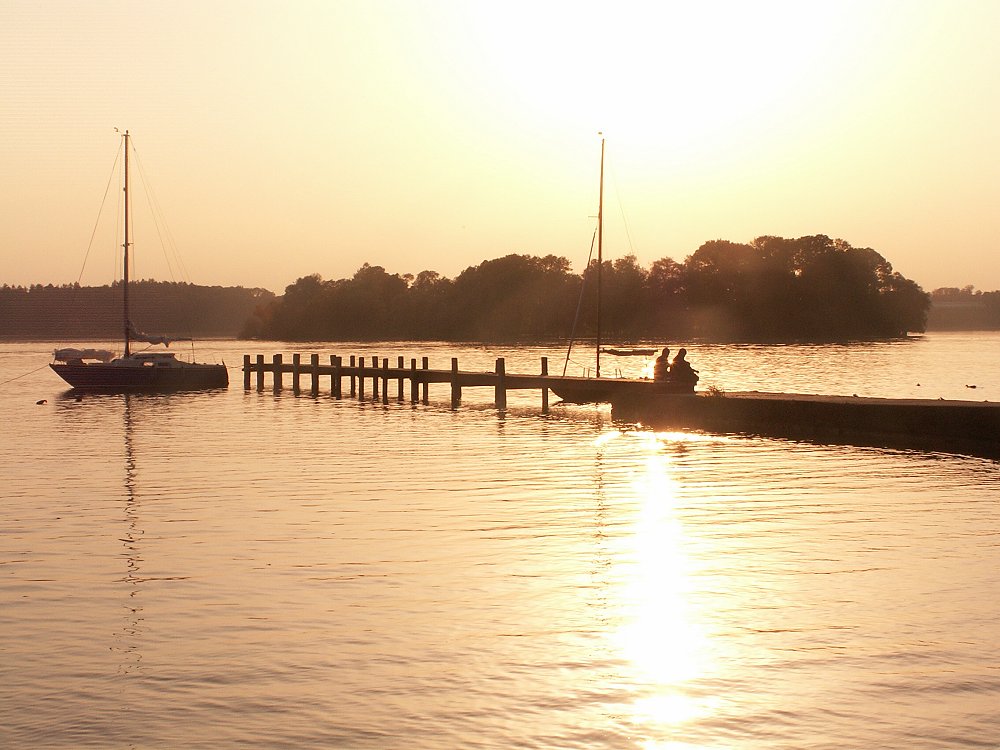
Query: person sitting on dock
<point>661,367</point>
<point>682,376</point>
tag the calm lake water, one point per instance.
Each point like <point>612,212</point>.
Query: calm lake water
<point>241,569</point>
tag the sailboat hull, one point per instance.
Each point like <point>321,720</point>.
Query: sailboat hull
<point>183,376</point>
<point>597,390</point>
<point>605,390</point>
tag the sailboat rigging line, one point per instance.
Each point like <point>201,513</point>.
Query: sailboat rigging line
<point>97,221</point>
<point>579,302</point>
<point>621,208</point>
<point>168,246</point>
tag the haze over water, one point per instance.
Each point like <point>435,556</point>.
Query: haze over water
<point>244,569</point>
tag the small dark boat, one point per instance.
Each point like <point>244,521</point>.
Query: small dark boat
<point>594,391</point>
<point>605,390</point>
<point>628,352</point>
<point>98,369</point>
<point>584,390</point>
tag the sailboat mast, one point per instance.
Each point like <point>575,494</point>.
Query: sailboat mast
<point>125,272</point>
<point>600,257</point>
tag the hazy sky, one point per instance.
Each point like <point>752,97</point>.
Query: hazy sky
<point>289,138</point>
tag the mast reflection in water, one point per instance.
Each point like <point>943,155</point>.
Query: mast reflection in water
<point>127,643</point>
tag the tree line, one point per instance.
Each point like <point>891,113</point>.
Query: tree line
<point>966,309</point>
<point>72,311</point>
<point>770,289</point>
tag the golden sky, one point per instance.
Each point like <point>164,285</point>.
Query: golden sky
<point>289,138</point>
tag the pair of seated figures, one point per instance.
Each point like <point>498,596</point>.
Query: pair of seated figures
<point>678,376</point>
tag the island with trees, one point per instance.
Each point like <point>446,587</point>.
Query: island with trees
<point>771,289</point>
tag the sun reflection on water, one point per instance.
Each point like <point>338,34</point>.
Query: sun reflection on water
<point>662,635</point>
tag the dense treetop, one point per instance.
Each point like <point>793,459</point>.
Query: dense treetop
<point>771,289</point>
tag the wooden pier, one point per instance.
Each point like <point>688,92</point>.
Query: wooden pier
<point>375,378</point>
<point>965,427</point>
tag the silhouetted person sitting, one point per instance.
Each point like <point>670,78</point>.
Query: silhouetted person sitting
<point>661,367</point>
<point>682,375</point>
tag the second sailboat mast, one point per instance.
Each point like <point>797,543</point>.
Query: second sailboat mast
<point>600,257</point>
<point>128,325</point>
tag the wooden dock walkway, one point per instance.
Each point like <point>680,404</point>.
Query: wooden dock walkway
<point>375,376</point>
<point>966,427</point>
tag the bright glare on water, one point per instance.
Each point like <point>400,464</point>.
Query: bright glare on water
<point>249,569</point>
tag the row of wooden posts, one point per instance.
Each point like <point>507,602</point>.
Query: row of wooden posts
<point>379,375</point>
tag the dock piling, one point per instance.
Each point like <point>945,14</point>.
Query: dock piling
<point>500,389</point>
<point>545,390</point>
<point>456,388</point>
<point>314,371</point>
<point>385,380</point>
<point>425,386</point>
<point>276,373</point>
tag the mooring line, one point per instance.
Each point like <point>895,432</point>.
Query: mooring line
<point>37,369</point>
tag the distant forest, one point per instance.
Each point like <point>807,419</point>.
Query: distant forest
<point>771,289</point>
<point>74,312</point>
<point>964,309</point>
